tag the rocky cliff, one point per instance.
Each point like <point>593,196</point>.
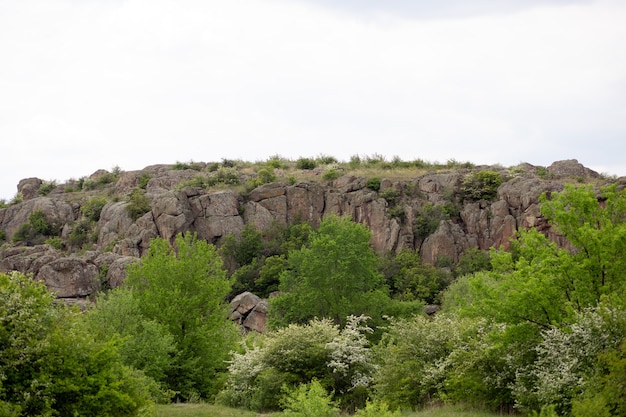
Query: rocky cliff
<point>428,211</point>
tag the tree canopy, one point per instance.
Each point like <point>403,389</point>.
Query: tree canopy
<point>335,276</point>
<point>175,299</point>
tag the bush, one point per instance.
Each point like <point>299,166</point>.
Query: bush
<point>143,180</point>
<point>473,260</point>
<point>412,359</point>
<point>51,364</point>
<point>427,220</point>
<point>326,160</point>
<point>180,166</point>
<point>138,204</point>
<point>306,163</point>
<point>373,184</point>
<point>355,162</point>
<point>331,174</point>
<point>92,208</point>
<point>376,409</point>
<point>481,185</point>
<point>309,400</point>
<point>55,242</point>
<point>35,231</point>
<point>80,233</point>
<point>46,187</point>
<point>299,354</point>
<point>392,196</point>
<point>39,223</point>
<point>266,175</point>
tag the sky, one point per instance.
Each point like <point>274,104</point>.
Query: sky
<point>95,84</point>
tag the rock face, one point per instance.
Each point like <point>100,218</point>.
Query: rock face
<point>391,213</point>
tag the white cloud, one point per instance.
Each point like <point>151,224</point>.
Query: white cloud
<point>93,84</point>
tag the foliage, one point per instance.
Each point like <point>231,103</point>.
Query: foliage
<point>427,220</point>
<point>40,223</point>
<point>542,294</point>
<point>298,354</point>
<point>391,195</point>
<point>334,277</point>
<point>143,343</point>
<point>242,249</point>
<point>92,208</point>
<point>410,279</point>
<point>412,357</point>
<point>138,204</point>
<point>180,291</point>
<point>376,409</point>
<point>331,174</point>
<point>36,230</point>
<point>306,163</point>
<point>144,179</point>
<point>481,185</point>
<point>606,392</point>
<point>326,159</point>
<point>80,233</point>
<point>473,260</point>
<point>56,242</point>
<point>179,166</point>
<point>567,358</point>
<point>46,187</point>
<point>373,183</point>
<point>309,400</point>
<point>596,226</point>
<point>50,364</point>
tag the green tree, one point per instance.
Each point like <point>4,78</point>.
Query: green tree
<point>410,279</point>
<point>143,343</point>
<point>183,289</point>
<point>334,277</point>
<point>595,224</point>
<point>51,365</point>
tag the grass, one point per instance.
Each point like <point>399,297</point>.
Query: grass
<point>209,410</point>
<point>200,410</point>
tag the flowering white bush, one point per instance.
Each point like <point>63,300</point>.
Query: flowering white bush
<point>296,355</point>
<point>350,354</point>
<point>566,358</point>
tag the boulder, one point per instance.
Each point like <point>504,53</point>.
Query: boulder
<point>57,212</point>
<point>28,187</point>
<point>257,318</point>
<point>570,168</point>
<point>249,311</point>
<point>70,277</point>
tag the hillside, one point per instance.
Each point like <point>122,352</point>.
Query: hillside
<point>78,236</point>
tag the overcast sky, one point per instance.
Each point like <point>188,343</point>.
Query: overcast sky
<point>89,84</point>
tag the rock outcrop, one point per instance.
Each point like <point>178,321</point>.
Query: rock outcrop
<point>390,212</point>
<point>249,311</point>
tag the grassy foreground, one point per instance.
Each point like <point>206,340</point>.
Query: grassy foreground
<point>208,410</point>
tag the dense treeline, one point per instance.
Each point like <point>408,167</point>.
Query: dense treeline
<point>537,329</point>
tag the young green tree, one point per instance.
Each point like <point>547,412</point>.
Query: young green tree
<point>334,277</point>
<point>183,289</point>
<point>595,224</point>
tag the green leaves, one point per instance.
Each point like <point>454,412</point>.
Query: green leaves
<point>50,363</point>
<point>330,277</point>
<point>177,298</point>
